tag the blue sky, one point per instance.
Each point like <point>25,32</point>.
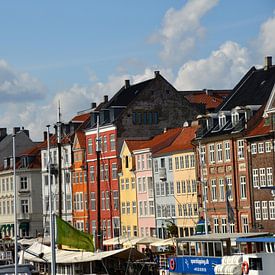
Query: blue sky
<point>77,51</point>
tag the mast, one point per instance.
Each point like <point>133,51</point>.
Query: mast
<point>52,222</point>
<point>98,151</point>
<point>204,194</point>
<point>15,205</point>
<point>58,124</point>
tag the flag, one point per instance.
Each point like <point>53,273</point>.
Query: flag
<point>68,235</point>
<point>230,211</point>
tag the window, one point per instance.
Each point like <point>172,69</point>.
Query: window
<point>224,225</point>
<point>23,183</point>
<point>257,210</point>
<point>105,145</point>
<point>170,164</point>
<point>260,148</point>
<point>244,220</point>
<point>24,207</point>
<point>262,177</point>
<point>264,210</point>
<point>272,210</point>
<point>150,187</point>
<point>222,120</point>
<point>253,148</point>
<point>127,184</point>
<point>194,186</point>
<point>128,208</point>
<point>92,173</point>
<point>192,161</point>
<point>219,152</point>
<point>140,208</point>
<point>177,163</point>
<point>178,187</point>
<point>114,171</point>
<point>107,200</point>
<point>158,211</point>
<point>116,199</point>
<point>183,187</point>
<point>268,147</point>
<point>255,177</point>
<point>235,118</point>
<point>123,209</point>
<point>134,207</point>
<point>216,225</point>
<point>240,144</point>
<point>203,154</point>
<point>187,161</point>
<point>156,166</point>
<point>181,162</point>
<point>269,176</point>
<point>212,153</point>
<point>112,142</point>
<point>228,182</point>
<point>133,184</point>
<point>188,186</point>
<point>145,208</point>
<point>162,189</point>
<point>180,210</point>
<point>122,183</point>
<point>90,146</point>
<point>142,162</point>
<point>106,171</point>
<point>243,187</point>
<point>102,200</point>
<point>149,161</point>
<point>213,190</point>
<point>173,210</point>
<point>143,184</point>
<point>93,201</point>
<point>221,185</point>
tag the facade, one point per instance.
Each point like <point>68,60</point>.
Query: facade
<point>141,111</point>
<point>128,189</point>
<point>223,152</point>
<point>28,186</point>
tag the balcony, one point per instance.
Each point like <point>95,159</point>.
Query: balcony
<point>162,173</point>
<point>23,216</point>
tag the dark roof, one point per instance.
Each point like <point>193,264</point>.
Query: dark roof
<point>126,94</point>
<point>253,89</point>
<point>22,143</point>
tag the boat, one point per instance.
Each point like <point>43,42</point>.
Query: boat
<point>202,254</point>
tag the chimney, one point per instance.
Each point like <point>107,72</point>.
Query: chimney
<point>156,73</point>
<point>3,133</point>
<point>45,135</point>
<point>93,105</point>
<point>16,130</point>
<point>105,99</point>
<point>267,62</point>
<point>127,83</point>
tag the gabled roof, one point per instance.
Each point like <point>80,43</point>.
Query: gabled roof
<point>160,141</point>
<point>126,94</point>
<point>182,142</point>
<point>134,144</point>
<point>80,137</point>
<point>253,89</point>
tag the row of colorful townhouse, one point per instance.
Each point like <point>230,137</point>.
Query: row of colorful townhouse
<point>161,150</point>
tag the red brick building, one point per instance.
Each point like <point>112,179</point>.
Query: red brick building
<point>223,150</point>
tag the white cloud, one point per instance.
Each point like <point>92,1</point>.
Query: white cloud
<point>181,30</point>
<point>222,69</point>
<point>18,86</point>
<point>265,41</point>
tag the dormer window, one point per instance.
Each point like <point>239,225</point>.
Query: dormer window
<point>235,118</point>
<point>222,120</point>
<point>6,163</point>
<point>209,122</point>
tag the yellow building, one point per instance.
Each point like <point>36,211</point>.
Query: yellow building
<point>128,194</point>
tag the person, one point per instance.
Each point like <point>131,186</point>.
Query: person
<point>149,253</point>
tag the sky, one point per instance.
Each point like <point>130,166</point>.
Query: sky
<point>75,52</point>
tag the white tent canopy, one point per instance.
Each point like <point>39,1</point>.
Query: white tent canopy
<point>63,256</point>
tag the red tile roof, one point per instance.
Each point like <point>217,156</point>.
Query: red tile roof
<point>81,118</point>
<point>160,141</point>
<point>211,101</point>
<point>182,141</point>
<point>259,129</point>
<point>134,144</point>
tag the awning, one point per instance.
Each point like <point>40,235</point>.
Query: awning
<point>166,242</point>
